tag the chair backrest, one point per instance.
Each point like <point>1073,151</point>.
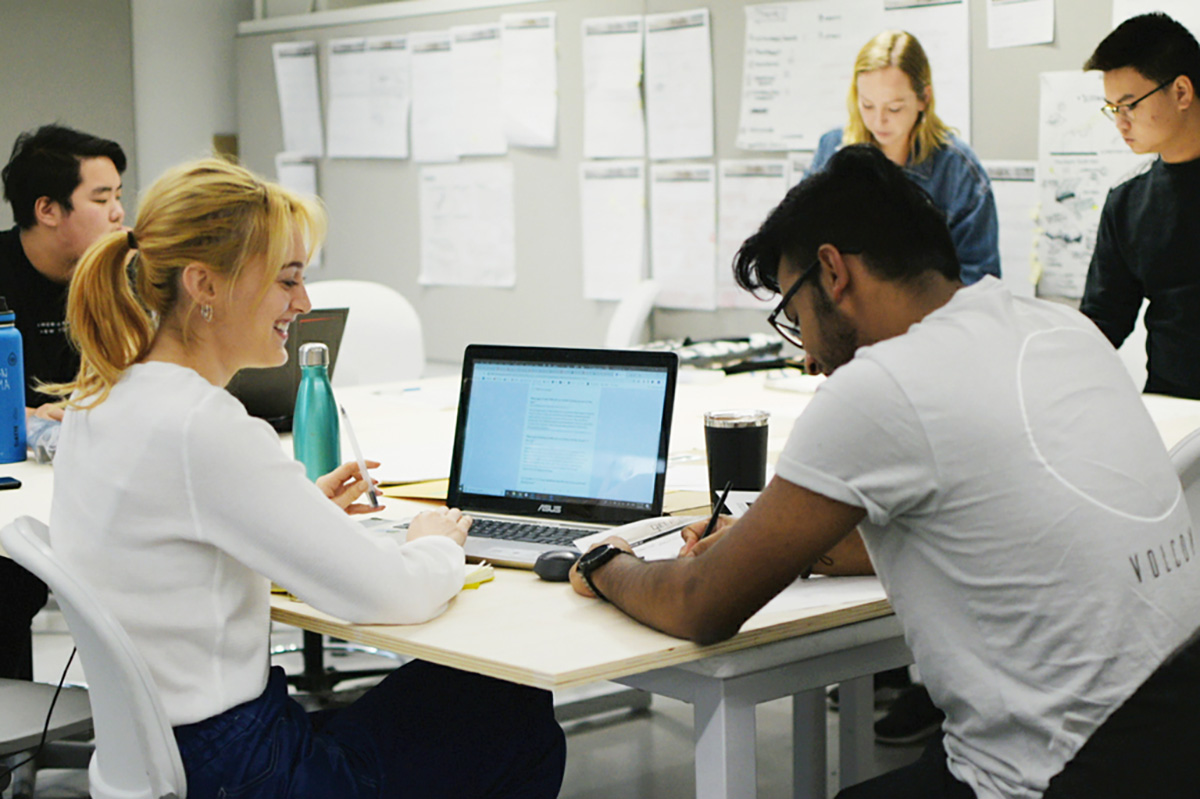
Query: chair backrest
<point>1185,457</point>
<point>628,320</point>
<point>383,339</point>
<point>136,755</point>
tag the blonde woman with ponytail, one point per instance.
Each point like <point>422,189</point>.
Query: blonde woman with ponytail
<point>180,509</point>
<point>891,105</point>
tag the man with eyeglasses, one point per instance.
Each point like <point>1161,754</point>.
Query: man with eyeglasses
<point>1148,243</point>
<point>1006,479</point>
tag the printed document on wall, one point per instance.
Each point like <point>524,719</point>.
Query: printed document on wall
<point>476,59</point>
<point>299,101</point>
<point>683,234</point>
<point>369,97</point>
<point>613,210</point>
<point>613,119</point>
<point>467,228</point>
<point>776,89</point>
<point>1080,157</point>
<point>435,108</point>
<point>748,191</point>
<point>299,173</point>
<point>1015,23</point>
<point>679,85</point>
<point>1014,186</point>
<point>529,74</point>
<point>1186,12</point>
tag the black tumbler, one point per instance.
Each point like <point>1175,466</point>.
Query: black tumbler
<point>736,442</point>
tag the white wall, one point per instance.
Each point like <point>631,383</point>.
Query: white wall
<point>183,78</point>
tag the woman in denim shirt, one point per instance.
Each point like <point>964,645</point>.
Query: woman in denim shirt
<point>891,106</point>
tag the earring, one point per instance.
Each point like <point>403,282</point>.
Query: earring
<point>206,312</point>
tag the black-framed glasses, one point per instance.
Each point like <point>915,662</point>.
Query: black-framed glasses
<point>787,328</point>
<point>1125,110</point>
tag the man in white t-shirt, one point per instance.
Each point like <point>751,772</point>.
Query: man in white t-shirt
<point>1014,496</point>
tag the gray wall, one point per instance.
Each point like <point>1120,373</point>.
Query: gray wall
<point>67,61</point>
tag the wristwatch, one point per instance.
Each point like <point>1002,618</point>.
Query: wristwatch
<point>593,559</point>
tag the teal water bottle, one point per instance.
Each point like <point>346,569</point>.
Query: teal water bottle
<point>12,388</point>
<point>315,440</point>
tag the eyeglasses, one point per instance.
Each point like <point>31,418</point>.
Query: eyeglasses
<point>1125,110</point>
<point>786,328</point>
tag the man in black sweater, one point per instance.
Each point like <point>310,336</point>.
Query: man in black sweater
<point>1148,244</point>
<point>65,190</point>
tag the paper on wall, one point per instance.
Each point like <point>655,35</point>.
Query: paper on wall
<point>1014,185</point>
<point>683,234</point>
<point>613,217</point>
<point>613,120</point>
<point>299,173</point>
<point>749,190</point>
<point>679,85</point>
<point>435,107</point>
<point>467,228</point>
<point>299,98</point>
<point>476,57</point>
<point>1014,23</point>
<point>529,74</point>
<point>369,97</point>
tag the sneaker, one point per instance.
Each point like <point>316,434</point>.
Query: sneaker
<point>889,685</point>
<point>912,719</point>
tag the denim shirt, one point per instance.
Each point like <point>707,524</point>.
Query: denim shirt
<point>959,186</point>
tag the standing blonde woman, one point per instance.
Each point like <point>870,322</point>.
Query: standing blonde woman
<point>179,508</point>
<point>891,105</point>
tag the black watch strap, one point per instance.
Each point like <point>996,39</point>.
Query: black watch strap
<point>593,560</point>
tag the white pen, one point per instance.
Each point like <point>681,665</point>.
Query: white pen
<point>362,464</point>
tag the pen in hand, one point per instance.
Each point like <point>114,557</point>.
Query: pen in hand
<point>720,503</point>
<point>362,464</point>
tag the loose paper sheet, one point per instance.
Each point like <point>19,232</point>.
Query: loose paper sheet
<point>684,234</point>
<point>477,90</point>
<point>299,101</point>
<point>799,60</point>
<point>613,120</point>
<point>299,173</point>
<point>1080,157</point>
<point>679,85</point>
<point>530,79</point>
<point>1013,23</point>
<point>613,208</point>
<point>1014,184</point>
<point>369,97</point>
<point>435,107</point>
<point>467,229</point>
<point>749,190</point>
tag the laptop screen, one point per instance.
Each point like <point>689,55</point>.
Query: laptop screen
<point>561,433</point>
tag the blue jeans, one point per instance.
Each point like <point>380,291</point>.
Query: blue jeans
<point>425,731</point>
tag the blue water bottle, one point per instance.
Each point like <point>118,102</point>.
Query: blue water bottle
<point>315,438</point>
<point>12,388</point>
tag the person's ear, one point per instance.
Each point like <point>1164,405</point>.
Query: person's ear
<point>199,283</point>
<point>835,275</point>
<point>1183,92</point>
<point>47,212</point>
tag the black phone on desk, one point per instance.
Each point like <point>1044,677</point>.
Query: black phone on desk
<point>9,482</point>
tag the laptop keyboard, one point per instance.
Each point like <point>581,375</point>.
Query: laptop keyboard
<point>521,531</point>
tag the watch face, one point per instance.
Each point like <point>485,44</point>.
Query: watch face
<point>597,557</point>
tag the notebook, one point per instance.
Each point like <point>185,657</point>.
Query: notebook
<point>270,394</point>
<point>553,438</point>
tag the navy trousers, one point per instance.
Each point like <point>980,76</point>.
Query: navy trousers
<point>21,596</point>
<point>425,731</point>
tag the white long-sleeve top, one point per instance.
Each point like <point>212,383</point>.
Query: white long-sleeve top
<point>179,508</point>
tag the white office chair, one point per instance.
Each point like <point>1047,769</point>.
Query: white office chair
<point>383,339</point>
<point>26,705</point>
<point>136,756</point>
<point>1185,456</point>
<point>628,322</point>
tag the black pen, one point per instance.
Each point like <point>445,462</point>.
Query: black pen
<point>712,521</point>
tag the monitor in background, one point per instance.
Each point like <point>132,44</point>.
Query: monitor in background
<point>270,393</point>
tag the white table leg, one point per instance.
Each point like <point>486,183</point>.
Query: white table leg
<point>808,744</point>
<point>856,735</point>
<point>725,740</point>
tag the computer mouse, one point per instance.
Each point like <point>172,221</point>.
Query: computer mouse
<point>555,565</point>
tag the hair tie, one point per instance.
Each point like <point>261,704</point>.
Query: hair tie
<point>132,240</point>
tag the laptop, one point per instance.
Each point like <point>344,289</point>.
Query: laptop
<point>554,444</point>
<point>270,394</point>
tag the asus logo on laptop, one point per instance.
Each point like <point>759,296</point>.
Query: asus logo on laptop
<point>545,508</point>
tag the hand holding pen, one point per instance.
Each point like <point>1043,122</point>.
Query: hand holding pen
<point>693,534</point>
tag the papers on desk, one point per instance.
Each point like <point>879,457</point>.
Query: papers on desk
<point>299,102</point>
<point>819,591</point>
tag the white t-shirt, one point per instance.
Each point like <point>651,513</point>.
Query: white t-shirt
<point>1023,516</point>
<point>178,507</point>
